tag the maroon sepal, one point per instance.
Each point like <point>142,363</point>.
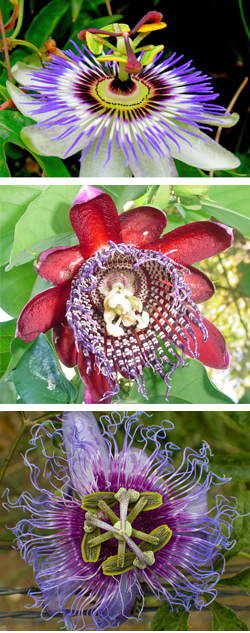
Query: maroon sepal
<point>95,382</point>
<point>42,312</point>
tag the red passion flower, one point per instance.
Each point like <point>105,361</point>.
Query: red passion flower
<point>126,298</point>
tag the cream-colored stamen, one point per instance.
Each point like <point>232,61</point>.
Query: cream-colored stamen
<point>120,302</point>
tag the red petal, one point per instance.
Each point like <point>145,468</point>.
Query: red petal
<point>43,312</point>
<point>59,264</point>
<point>96,383</point>
<point>64,342</point>
<point>214,352</point>
<point>201,286</point>
<point>95,221</point>
<point>195,241</point>
<point>142,225</point>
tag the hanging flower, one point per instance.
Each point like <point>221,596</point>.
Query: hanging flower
<point>111,521</point>
<point>125,298</point>
<point>129,114</point>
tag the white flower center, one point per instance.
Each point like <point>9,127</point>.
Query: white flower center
<point>120,302</point>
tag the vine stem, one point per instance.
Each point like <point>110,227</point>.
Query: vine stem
<point>108,5</point>
<point>20,20</point>
<point>245,554</point>
<point>12,449</point>
<point>231,104</point>
<point>5,48</point>
<point>231,290</point>
<point>244,22</point>
<point>24,423</point>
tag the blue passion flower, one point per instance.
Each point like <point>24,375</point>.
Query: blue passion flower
<point>110,522</point>
<point>120,107</point>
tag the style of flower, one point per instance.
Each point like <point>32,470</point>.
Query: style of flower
<point>125,298</point>
<point>128,114</point>
<point>110,521</point>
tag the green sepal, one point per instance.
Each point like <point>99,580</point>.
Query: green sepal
<point>90,502</point>
<point>163,533</point>
<point>90,554</point>
<point>109,567</point>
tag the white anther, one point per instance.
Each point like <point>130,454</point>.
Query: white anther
<point>114,329</point>
<point>118,299</point>
<point>143,321</point>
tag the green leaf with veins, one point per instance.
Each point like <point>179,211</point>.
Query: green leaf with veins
<point>225,619</point>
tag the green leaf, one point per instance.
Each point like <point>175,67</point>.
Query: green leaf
<point>16,287</point>
<point>45,218</point>
<point>52,166</point>
<point>7,331</point>
<point>13,203</point>
<point>241,531</point>
<point>11,125</point>
<point>38,379</point>
<point>4,170</point>
<point>225,619</point>
<point>124,193</point>
<point>246,397</point>
<point>187,171</point>
<point>191,384</point>
<point>164,620</point>
<point>241,580</point>
<point>230,204</point>
<point>235,465</point>
<point>162,196</point>
<point>76,6</point>
<point>8,394</point>
<point>43,25</point>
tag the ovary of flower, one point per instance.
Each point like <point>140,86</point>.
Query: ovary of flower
<point>121,302</point>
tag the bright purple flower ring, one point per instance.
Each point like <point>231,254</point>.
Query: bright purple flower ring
<point>111,521</point>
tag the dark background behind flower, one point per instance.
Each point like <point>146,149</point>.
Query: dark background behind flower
<point>227,433</point>
<point>217,38</point>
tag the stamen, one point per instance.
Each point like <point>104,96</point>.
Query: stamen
<point>145,537</point>
<point>90,502</point>
<point>140,505</point>
<point>107,510</point>
<point>149,558</point>
<point>125,497</point>
<point>100,539</point>
<point>140,556</point>
<point>121,554</point>
<point>91,554</point>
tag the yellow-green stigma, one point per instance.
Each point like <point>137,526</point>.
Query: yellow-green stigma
<point>129,554</point>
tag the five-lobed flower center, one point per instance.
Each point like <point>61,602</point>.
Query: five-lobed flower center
<point>100,516</point>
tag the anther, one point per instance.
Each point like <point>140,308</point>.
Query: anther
<point>149,560</point>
